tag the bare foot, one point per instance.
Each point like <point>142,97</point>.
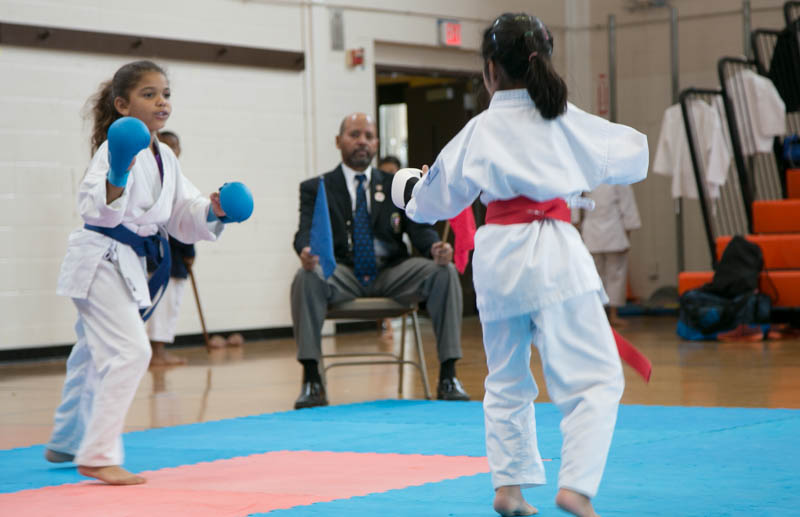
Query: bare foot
<point>508,501</point>
<point>112,475</point>
<point>387,333</point>
<point>57,457</point>
<point>235,339</point>
<point>618,323</point>
<point>614,319</point>
<point>166,359</point>
<point>575,503</point>
<point>217,341</point>
<point>161,357</point>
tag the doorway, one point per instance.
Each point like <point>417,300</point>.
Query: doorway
<point>419,112</point>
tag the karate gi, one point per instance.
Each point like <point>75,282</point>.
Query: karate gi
<point>759,111</point>
<point>536,282</point>
<point>162,323</point>
<point>672,157</point>
<point>107,281</point>
<point>604,231</point>
<point>164,319</point>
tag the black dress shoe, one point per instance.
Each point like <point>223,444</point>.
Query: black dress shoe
<point>450,388</point>
<point>312,394</point>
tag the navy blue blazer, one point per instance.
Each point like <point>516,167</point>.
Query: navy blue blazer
<point>388,222</point>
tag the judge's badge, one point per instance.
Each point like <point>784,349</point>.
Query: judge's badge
<point>397,221</point>
<point>380,197</point>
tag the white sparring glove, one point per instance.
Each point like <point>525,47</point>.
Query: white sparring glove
<point>403,185</point>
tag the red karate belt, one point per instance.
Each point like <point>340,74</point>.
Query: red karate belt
<point>523,210</point>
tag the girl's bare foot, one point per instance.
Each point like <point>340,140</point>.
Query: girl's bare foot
<point>575,503</point>
<point>112,475</point>
<point>508,501</point>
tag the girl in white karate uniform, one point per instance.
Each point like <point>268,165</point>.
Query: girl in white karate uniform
<point>108,281</point>
<point>534,279</point>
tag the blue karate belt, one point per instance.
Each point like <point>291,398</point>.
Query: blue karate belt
<point>155,249</point>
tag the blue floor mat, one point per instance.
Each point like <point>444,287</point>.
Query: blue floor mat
<point>665,461</point>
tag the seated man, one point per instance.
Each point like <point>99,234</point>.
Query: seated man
<point>371,260</point>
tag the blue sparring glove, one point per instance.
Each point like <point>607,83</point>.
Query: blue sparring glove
<point>236,201</point>
<point>126,137</point>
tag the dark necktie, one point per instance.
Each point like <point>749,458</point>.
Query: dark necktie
<point>363,248</point>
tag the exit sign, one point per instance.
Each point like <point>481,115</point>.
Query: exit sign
<point>450,33</point>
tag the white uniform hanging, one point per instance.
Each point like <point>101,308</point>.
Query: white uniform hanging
<point>760,111</point>
<point>672,157</point>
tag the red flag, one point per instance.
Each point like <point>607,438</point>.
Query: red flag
<point>633,357</point>
<point>463,226</point>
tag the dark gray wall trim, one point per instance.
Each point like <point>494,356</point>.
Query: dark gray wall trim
<point>51,38</point>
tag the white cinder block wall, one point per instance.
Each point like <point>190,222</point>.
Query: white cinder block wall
<point>271,129</point>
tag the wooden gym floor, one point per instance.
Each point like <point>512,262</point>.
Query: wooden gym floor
<point>263,377</point>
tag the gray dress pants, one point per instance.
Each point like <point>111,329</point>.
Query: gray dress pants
<point>413,280</point>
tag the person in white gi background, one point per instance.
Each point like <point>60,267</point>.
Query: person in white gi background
<point>606,232</point>
<point>140,191</point>
<point>534,279</point>
<point>162,323</point>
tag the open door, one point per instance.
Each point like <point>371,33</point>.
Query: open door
<point>417,116</point>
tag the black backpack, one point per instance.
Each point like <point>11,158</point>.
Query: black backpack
<point>730,299</point>
<point>738,270</point>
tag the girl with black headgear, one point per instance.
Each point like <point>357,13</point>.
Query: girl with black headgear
<point>535,281</point>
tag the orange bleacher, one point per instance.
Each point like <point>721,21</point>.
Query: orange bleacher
<point>777,227</point>
<point>793,184</point>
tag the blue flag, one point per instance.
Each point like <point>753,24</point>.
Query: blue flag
<point>321,241</point>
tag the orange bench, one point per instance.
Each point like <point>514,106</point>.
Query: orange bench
<point>793,183</point>
<point>784,284</point>
<point>781,216</point>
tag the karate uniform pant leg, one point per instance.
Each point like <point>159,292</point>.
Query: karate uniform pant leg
<point>164,320</point>
<point>119,353</point>
<point>584,379</point>
<point>613,270</point>
<point>76,398</point>
<point>510,420</point>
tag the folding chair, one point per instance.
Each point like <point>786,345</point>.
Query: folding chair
<point>374,309</point>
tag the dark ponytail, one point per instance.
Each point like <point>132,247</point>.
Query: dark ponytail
<point>103,114</point>
<point>101,104</point>
<point>521,46</point>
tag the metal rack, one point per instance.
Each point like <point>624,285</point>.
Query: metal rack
<point>727,214</point>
